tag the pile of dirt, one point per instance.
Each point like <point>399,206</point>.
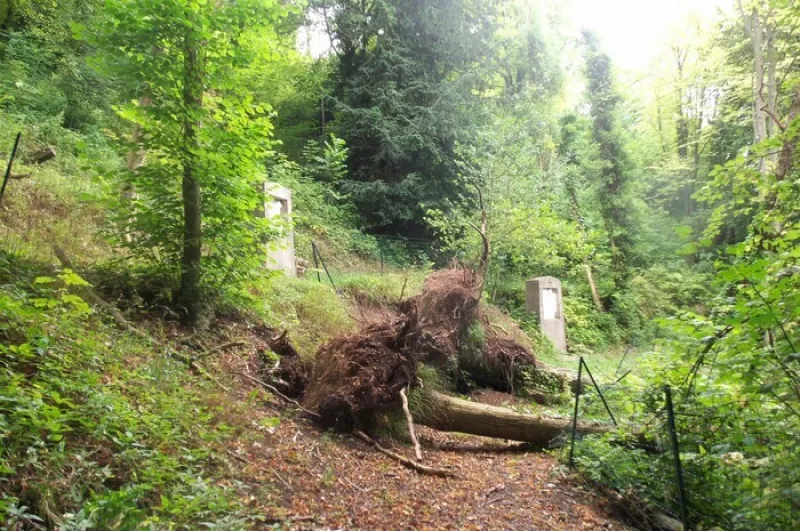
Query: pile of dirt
<point>505,364</point>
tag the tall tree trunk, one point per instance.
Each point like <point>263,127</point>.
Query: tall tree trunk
<point>754,30</point>
<point>598,303</point>
<point>772,87</point>
<point>700,102</point>
<point>133,161</point>
<point>192,215</point>
<point>682,124</point>
<point>787,152</point>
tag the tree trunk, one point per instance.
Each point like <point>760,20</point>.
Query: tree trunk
<point>784,163</point>
<point>598,303</point>
<point>576,213</point>
<point>190,263</point>
<point>754,31</point>
<point>772,87</point>
<point>445,413</point>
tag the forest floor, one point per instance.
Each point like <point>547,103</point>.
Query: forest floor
<point>322,481</point>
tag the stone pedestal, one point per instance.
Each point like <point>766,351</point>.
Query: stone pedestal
<point>280,253</point>
<point>543,297</point>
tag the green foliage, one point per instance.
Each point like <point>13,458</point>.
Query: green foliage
<point>45,75</point>
<point>402,91</point>
<point>185,59</point>
<point>98,432</point>
<point>310,311</point>
<point>386,289</point>
<point>609,164</point>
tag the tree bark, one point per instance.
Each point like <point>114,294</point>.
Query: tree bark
<point>682,123</point>
<point>446,413</point>
<point>598,303</point>
<point>754,31</point>
<point>192,215</point>
<point>784,163</point>
<point>772,86</point>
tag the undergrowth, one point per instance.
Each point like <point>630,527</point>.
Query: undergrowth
<point>99,430</point>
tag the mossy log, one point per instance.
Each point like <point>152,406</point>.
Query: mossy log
<point>446,413</point>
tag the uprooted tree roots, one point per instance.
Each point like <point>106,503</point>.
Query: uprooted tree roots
<point>355,376</point>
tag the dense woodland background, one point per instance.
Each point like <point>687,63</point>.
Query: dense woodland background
<point>666,201</point>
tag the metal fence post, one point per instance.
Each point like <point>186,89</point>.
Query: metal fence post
<point>316,264</point>
<point>677,458</point>
<point>599,392</point>
<point>7,175</point>
<point>575,415</point>
<point>319,255</point>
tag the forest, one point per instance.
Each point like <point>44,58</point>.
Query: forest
<point>158,371</point>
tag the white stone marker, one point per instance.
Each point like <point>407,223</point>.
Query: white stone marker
<point>543,297</point>
<point>280,254</point>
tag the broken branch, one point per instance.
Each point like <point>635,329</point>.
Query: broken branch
<point>410,421</point>
<point>277,393</point>
<point>417,467</point>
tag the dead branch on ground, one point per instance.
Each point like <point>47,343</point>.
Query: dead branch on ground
<point>408,463</point>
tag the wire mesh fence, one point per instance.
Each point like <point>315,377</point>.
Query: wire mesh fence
<point>674,464</point>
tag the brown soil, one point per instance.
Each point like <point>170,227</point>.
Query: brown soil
<point>493,398</point>
<point>302,478</point>
<point>320,481</point>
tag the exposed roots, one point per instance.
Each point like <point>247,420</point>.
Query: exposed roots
<point>356,375</point>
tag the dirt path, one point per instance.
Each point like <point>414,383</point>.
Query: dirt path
<point>322,481</point>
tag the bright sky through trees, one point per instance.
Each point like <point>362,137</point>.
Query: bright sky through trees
<point>632,31</point>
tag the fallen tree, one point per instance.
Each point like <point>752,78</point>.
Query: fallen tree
<point>357,376</point>
<point>446,413</point>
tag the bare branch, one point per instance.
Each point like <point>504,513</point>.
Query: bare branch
<point>410,421</point>
<point>408,463</point>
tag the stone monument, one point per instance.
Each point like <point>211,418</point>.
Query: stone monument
<point>280,253</point>
<point>543,297</point>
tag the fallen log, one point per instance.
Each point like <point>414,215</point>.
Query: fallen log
<point>445,413</point>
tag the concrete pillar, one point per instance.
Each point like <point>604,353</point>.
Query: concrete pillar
<point>543,297</point>
<point>280,253</point>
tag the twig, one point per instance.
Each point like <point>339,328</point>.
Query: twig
<point>220,348</point>
<point>95,299</point>
<point>251,463</point>
<point>240,458</point>
<point>403,291</point>
<point>410,422</point>
<point>275,391</point>
<point>408,463</point>
<point>202,370</point>
<point>279,478</point>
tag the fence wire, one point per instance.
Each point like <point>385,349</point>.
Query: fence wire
<point>737,478</point>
